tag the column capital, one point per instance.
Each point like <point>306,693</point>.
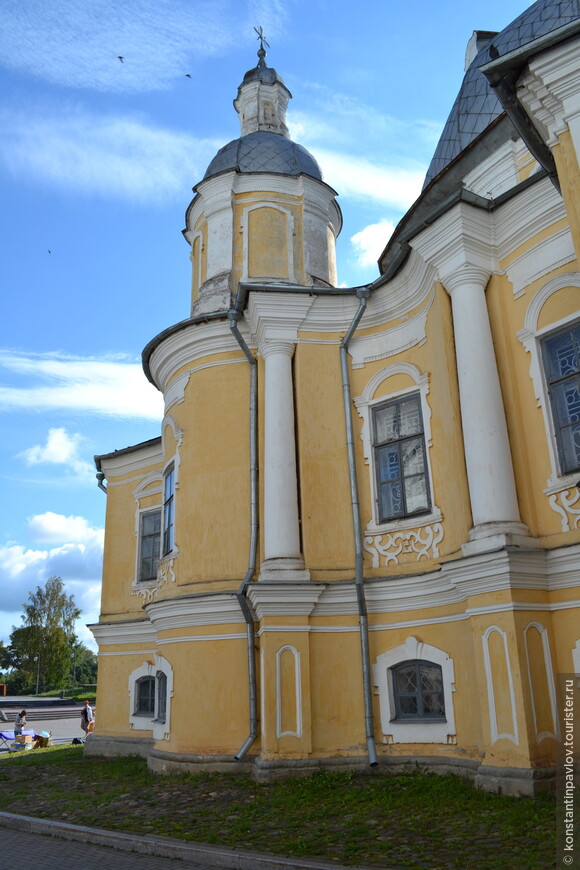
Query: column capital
<point>459,242</point>
<point>269,347</point>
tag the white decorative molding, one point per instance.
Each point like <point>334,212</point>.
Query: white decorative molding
<point>379,345</point>
<point>417,543</point>
<point>175,392</point>
<point>576,657</point>
<point>297,732</point>
<point>495,735</point>
<point>220,608</point>
<point>139,458</point>
<point>530,336</point>
<point>364,405</point>
<point>525,216</point>
<point>543,632</point>
<point>183,347</point>
<point>567,504</point>
<point>139,722</point>
<point>121,633</point>
<point>199,638</point>
<point>549,254</point>
<point>284,599</point>
<point>270,203</point>
<point>408,731</point>
<point>498,173</point>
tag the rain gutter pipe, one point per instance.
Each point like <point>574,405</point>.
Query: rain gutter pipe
<point>357,528</point>
<point>234,316</point>
<point>100,484</point>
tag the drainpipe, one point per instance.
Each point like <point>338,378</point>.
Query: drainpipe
<point>235,315</point>
<point>358,536</point>
<point>100,484</point>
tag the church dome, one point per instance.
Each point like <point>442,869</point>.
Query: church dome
<point>477,105</point>
<point>264,152</point>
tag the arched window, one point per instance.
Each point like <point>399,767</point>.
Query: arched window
<point>418,690</point>
<point>145,696</point>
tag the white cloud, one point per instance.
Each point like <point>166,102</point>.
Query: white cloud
<point>60,449</point>
<point>104,155</point>
<point>370,242</point>
<point>111,386</point>
<point>57,529</point>
<point>360,179</point>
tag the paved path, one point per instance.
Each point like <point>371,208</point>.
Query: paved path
<point>25,840</point>
<point>23,849</point>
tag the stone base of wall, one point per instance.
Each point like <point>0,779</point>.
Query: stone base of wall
<point>501,780</point>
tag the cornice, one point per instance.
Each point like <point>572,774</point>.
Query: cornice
<point>196,610</point>
<point>113,633</point>
<point>136,459</point>
<point>276,316</point>
<point>187,345</point>
<point>284,599</point>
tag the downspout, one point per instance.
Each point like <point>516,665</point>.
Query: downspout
<point>100,484</point>
<point>235,315</point>
<point>358,536</point>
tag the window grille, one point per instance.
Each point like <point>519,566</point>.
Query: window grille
<point>418,690</point>
<point>145,696</point>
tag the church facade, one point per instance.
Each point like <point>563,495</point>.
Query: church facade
<point>356,541</point>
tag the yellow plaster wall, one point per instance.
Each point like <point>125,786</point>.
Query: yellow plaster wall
<point>569,177</point>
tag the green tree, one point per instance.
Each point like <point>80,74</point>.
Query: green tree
<point>84,666</point>
<point>41,648</point>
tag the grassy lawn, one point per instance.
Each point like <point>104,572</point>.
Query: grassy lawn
<point>408,821</point>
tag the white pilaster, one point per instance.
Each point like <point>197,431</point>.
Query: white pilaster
<point>274,319</point>
<point>460,247</point>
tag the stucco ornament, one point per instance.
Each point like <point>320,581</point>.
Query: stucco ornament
<point>405,546</point>
<point>567,505</point>
<point>165,575</point>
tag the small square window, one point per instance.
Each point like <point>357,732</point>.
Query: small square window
<point>561,353</point>
<point>418,690</point>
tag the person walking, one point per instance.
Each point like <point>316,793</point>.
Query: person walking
<point>87,717</point>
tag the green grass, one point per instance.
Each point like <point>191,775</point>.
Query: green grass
<point>410,821</point>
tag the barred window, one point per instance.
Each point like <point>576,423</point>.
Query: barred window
<point>418,690</point>
<point>400,459</point>
<point>561,352</point>
<point>149,544</point>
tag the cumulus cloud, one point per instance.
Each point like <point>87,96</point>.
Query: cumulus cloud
<point>361,179</point>
<point>60,449</point>
<point>76,557</point>
<point>369,243</point>
<point>105,155</point>
<point>112,386</point>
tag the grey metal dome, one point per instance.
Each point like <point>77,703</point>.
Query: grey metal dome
<point>477,105</point>
<point>264,152</point>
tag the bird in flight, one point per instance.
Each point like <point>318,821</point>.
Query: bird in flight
<point>187,76</point>
<point>122,59</point>
<point>50,252</point>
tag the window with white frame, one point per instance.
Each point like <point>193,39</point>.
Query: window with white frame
<point>149,544</point>
<point>150,692</point>
<point>561,356</point>
<point>402,484</point>
<point>168,509</point>
<point>418,690</point>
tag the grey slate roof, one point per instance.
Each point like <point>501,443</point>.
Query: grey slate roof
<point>264,152</point>
<point>477,105</point>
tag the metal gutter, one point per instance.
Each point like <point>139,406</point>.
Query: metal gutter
<point>235,315</point>
<point>357,528</point>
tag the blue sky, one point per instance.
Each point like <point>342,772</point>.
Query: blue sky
<point>97,160</point>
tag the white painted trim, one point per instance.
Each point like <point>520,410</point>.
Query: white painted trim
<point>364,405</point>
<point>135,460</point>
<point>297,690</point>
<point>530,337</point>
<point>136,652</point>
<point>541,735</point>
<point>495,735</point>
<point>379,345</point>
<point>161,730</point>
<point>199,638</point>
<point>113,633</point>
<point>405,731</point>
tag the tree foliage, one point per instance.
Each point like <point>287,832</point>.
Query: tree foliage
<point>41,649</point>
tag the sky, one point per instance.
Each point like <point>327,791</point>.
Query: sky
<point>110,113</point>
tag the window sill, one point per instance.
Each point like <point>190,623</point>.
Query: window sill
<point>413,522</point>
<point>431,720</point>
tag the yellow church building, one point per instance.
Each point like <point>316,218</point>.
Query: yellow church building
<point>356,542</point>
